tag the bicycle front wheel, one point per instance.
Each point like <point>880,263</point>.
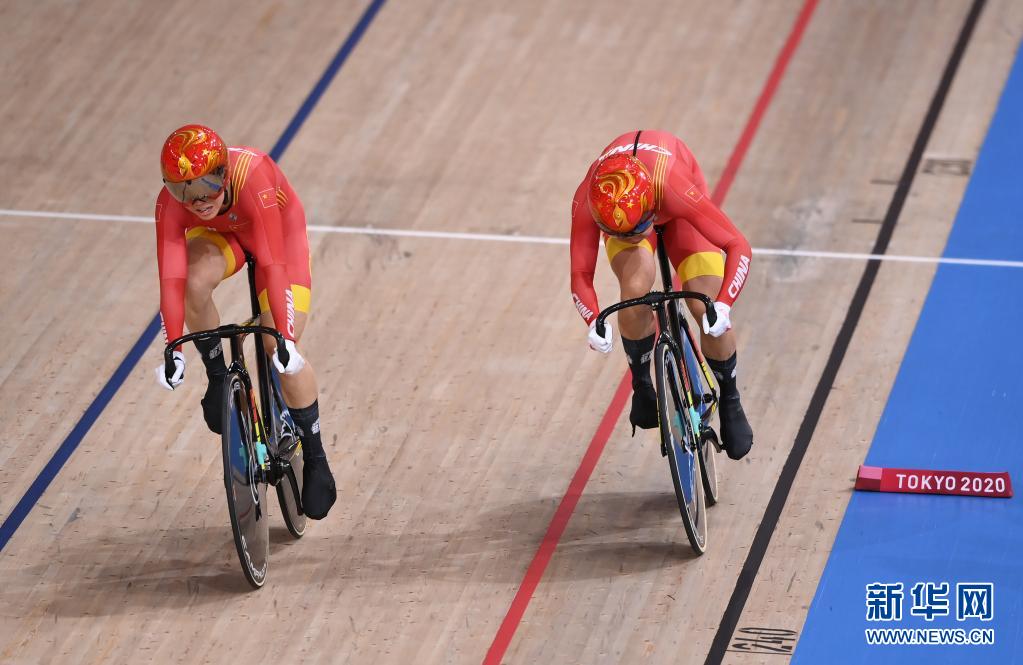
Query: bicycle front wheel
<point>678,439</point>
<point>244,479</point>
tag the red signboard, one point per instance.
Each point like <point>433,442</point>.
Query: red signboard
<point>921,481</point>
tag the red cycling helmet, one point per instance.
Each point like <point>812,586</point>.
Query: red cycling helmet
<point>621,196</point>
<point>194,163</point>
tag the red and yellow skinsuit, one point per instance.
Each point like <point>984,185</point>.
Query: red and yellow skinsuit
<point>265,218</point>
<point>696,231</point>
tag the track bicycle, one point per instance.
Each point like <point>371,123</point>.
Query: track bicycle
<point>260,444</point>
<point>686,399</point>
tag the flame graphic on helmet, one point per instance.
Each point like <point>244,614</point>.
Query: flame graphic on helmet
<point>191,152</point>
<point>616,185</point>
<point>185,168</point>
<point>187,138</point>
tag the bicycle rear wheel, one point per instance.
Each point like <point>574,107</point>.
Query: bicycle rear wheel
<point>709,464</point>
<point>289,453</point>
<point>289,489</point>
<point>707,438</point>
<point>678,438</point>
<point>244,457</point>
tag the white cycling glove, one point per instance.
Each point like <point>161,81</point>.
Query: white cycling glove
<point>172,382</point>
<point>295,360</point>
<point>722,324</point>
<point>598,343</point>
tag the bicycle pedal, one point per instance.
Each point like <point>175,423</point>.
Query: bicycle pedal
<point>278,470</point>
<point>708,398</point>
<point>710,435</point>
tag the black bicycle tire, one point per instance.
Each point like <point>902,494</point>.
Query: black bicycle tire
<point>255,575</point>
<point>296,527</point>
<point>291,509</point>
<point>711,489</point>
<point>665,350</point>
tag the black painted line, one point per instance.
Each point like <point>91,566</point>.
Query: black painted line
<point>772,514</point>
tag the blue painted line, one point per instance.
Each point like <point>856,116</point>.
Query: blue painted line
<point>78,432</point>
<point>325,80</point>
<point>955,405</point>
<point>99,404</point>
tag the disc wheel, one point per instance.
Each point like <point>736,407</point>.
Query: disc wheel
<point>289,490</point>
<point>709,465</point>
<point>243,481</point>
<point>289,456</point>
<point>709,445</point>
<point>680,442</point>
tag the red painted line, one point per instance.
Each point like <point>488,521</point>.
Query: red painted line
<point>559,522</point>
<point>780,64</point>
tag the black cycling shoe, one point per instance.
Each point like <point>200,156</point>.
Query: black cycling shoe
<point>644,407</point>
<point>736,434</point>
<point>318,491</point>
<point>213,403</point>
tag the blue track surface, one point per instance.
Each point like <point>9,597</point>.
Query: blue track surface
<point>956,404</point>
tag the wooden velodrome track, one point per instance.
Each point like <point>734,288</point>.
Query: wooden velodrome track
<point>458,395</point>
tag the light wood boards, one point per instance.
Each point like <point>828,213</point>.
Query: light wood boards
<point>457,390</point>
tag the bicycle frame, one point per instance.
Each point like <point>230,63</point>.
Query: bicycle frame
<point>263,377</point>
<point>678,323</point>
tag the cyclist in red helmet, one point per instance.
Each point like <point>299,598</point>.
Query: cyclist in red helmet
<point>641,179</point>
<point>218,203</point>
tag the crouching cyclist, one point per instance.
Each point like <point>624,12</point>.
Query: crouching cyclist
<point>640,180</point>
<point>218,203</point>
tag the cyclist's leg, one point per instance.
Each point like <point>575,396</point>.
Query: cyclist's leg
<point>212,258</point>
<point>718,348</point>
<point>700,267</point>
<point>635,268</point>
<point>300,389</point>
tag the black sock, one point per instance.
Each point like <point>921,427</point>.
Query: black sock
<point>307,421</point>
<point>639,353</point>
<point>724,372</point>
<point>212,353</point>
